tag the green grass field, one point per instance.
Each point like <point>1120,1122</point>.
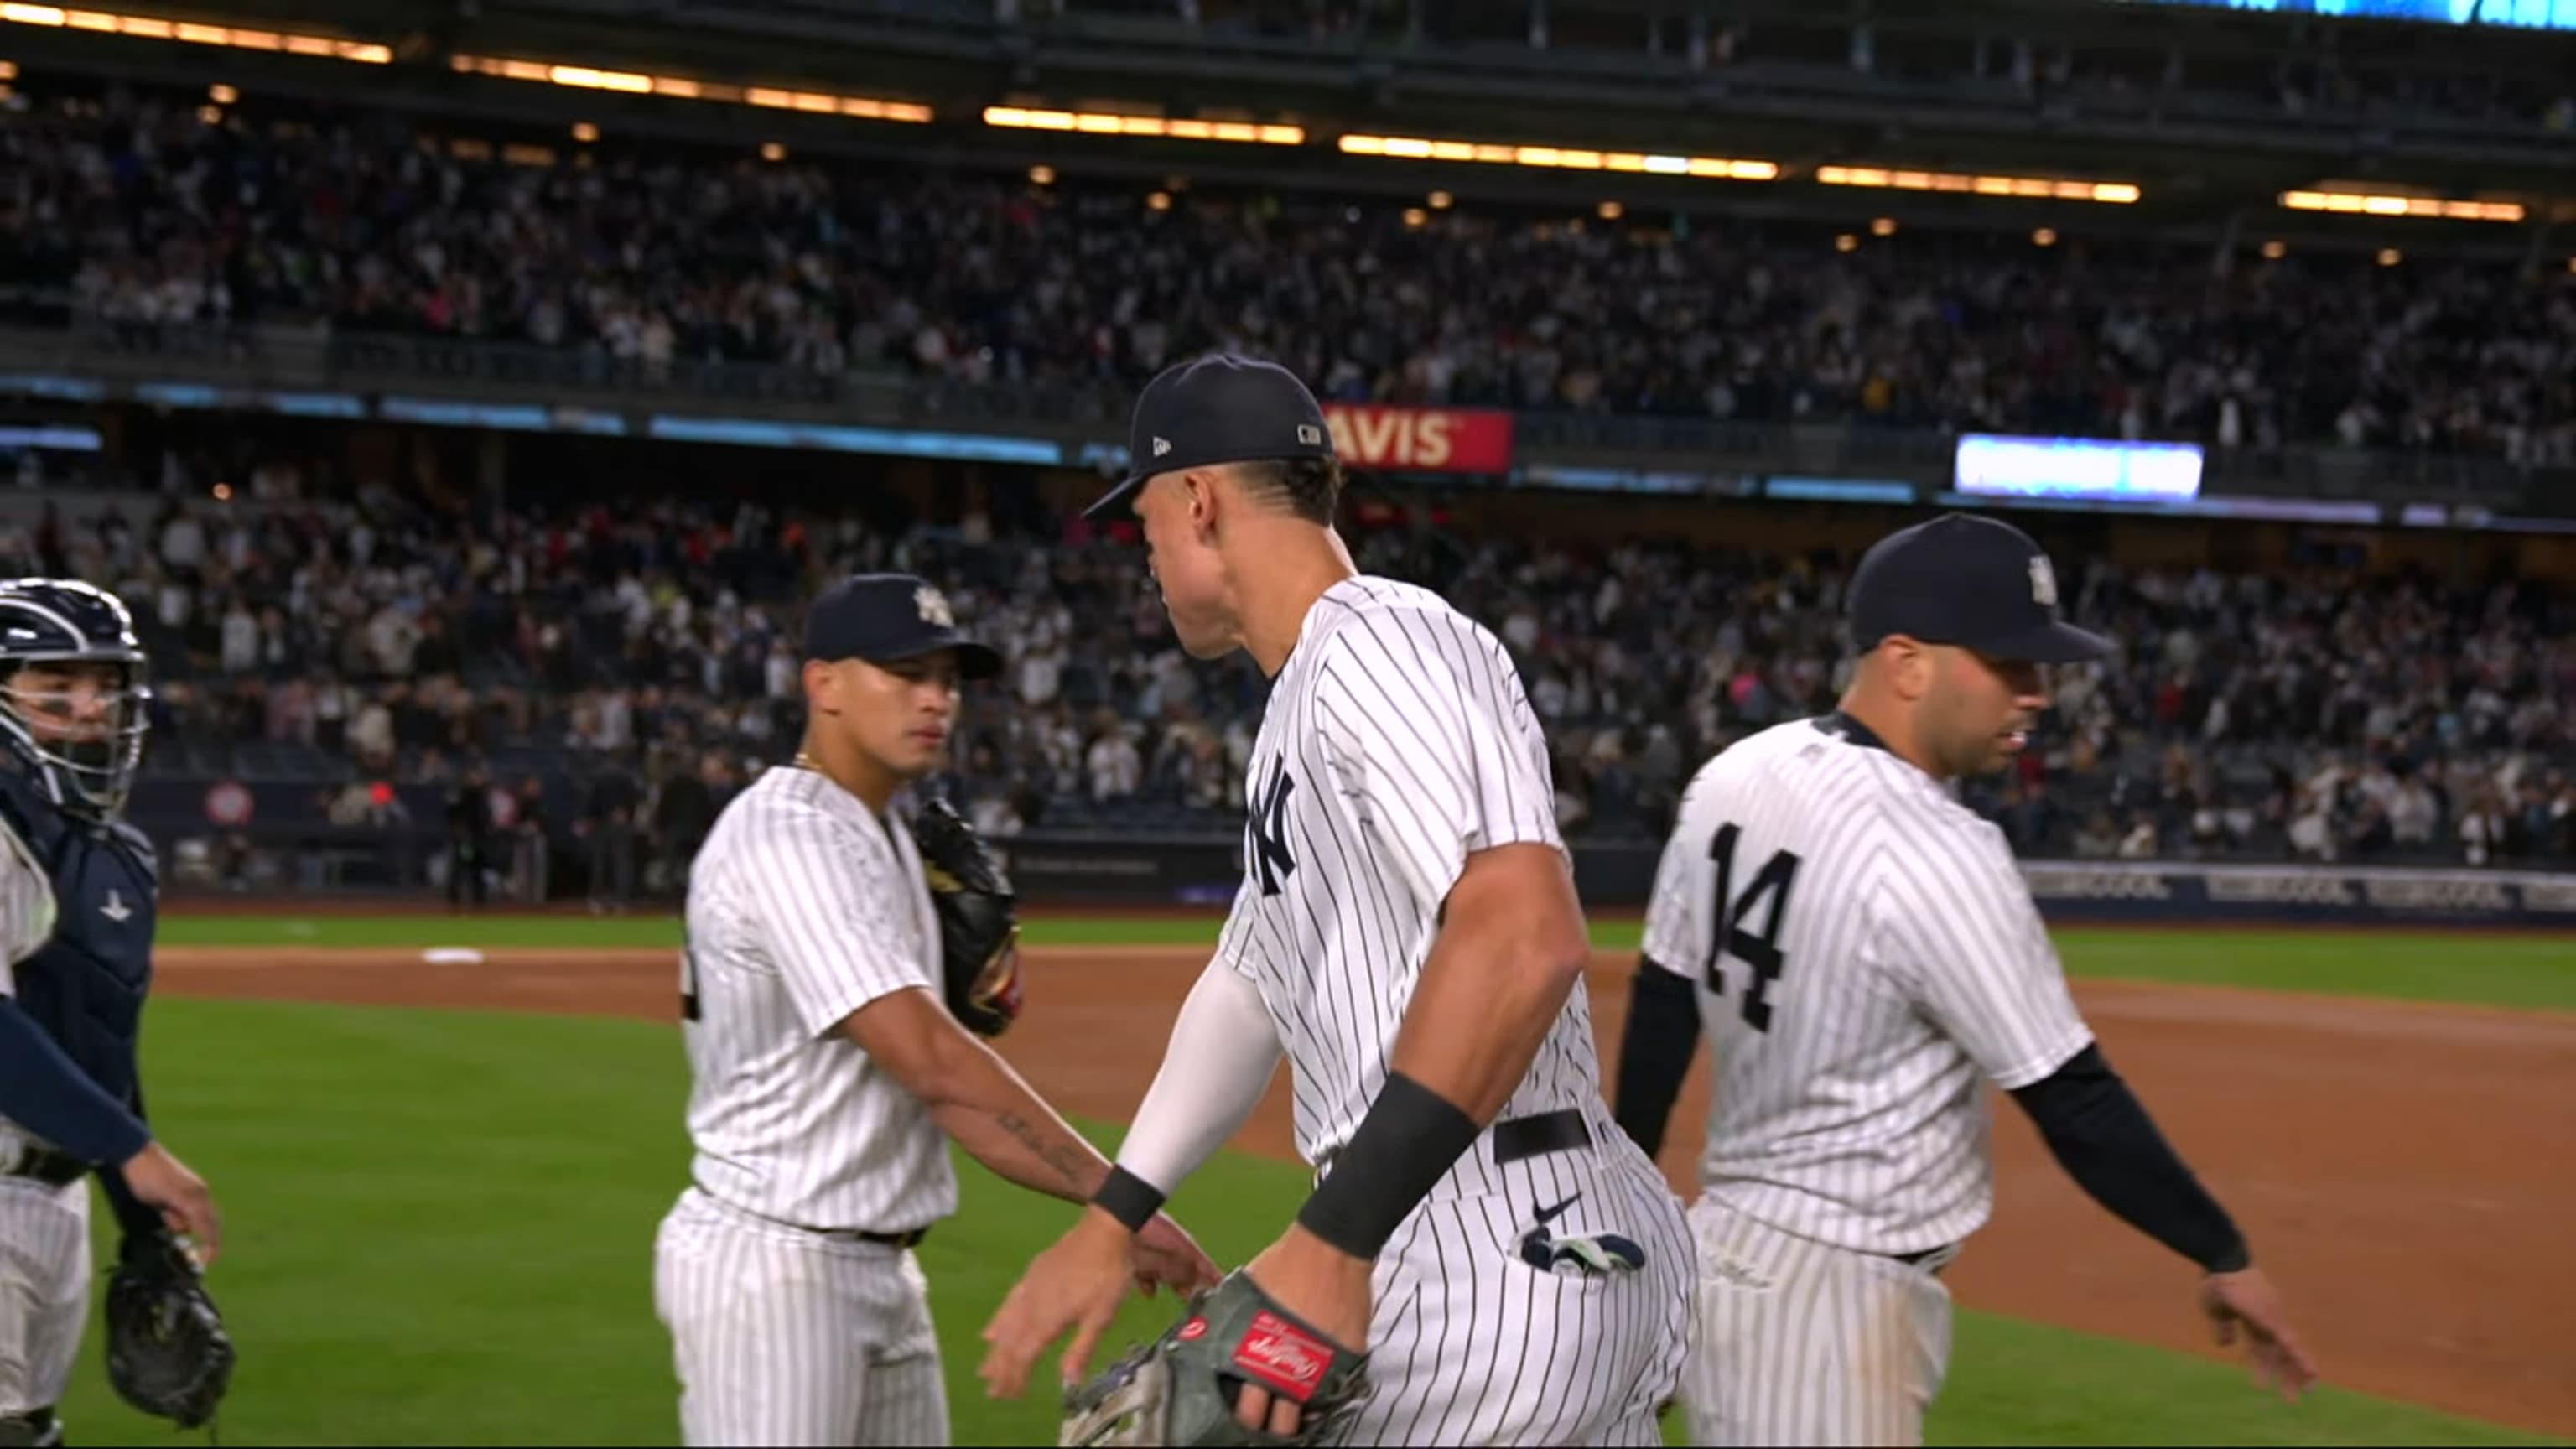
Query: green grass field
<point>2526,973</point>
<point>440,1223</point>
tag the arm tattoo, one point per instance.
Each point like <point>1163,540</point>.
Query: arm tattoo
<point>1067,1161</point>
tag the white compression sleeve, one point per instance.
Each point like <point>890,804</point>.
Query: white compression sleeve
<point>1223,1053</point>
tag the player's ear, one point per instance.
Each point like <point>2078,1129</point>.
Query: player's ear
<point>1909,664</point>
<point>822,686</point>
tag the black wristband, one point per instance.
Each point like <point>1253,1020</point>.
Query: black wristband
<point>1128,1198</point>
<point>1410,1137</point>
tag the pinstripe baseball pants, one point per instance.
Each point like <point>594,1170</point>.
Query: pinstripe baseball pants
<point>44,1289</point>
<point>1803,1343</point>
<point>1472,1344</point>
<point>787,1337</point>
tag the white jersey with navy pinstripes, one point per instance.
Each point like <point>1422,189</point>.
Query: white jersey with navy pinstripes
<point>803,907</point>
<point>1879,954</point>
<point>1397,741</point>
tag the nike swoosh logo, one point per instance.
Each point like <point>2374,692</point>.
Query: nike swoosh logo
<point>1548,1215</point>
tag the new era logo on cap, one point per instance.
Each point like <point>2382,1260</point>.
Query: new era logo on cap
<point>1162,446</point>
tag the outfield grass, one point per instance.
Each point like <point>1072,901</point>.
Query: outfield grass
<point>2530,973</point>
<point>440,1224</point>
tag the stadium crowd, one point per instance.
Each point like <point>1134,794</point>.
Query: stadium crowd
<point>641,662</point>
<point>138,214</point>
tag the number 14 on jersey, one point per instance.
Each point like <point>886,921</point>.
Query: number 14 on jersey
<point>1729,935</point>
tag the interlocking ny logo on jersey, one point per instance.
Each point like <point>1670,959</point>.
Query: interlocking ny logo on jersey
<point>1282,1355</point>
<point>1265,835</point>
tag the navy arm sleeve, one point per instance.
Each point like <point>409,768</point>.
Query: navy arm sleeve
<point>2103,1137</point>
<point>1655,1053</point>
<point>44,1091</point>
<point>133,1216</point>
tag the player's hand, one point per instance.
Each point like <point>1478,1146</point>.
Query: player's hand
<point>1077,1284</point>
<point>2246,1300</point>
<point>1321,1284</point>
<point>1163,1256</point>
<point>187,1206</point>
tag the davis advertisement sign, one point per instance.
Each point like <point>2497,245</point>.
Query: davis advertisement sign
<point>1421,440</point>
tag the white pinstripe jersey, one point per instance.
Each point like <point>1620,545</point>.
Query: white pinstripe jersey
<point>1881,954</point>
<point>804,907</point>
<point>26,923</point>
<point>1397,742</point>
<point>26,906</point>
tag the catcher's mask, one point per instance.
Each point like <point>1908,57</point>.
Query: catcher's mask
<point>74,691</point>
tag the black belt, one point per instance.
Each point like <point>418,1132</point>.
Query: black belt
<point>846,1235</point>
<point>1916,1260</point>
<point>49,1166</point>
<point>1559,1131</point>
<point>883,1240</point>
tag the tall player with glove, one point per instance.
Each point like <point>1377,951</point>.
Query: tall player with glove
<point>1484,1248</point>
<point>842,966</point>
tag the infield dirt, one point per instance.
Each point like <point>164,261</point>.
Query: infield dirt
<point>2403,1169</point>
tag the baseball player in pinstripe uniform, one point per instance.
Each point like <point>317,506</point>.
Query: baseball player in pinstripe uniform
<point>1407,935</point>
<point>1863,949</point>
<point>77,892</point>
<point>829,1074</point>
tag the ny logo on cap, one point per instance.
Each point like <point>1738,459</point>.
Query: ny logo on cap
<point>933,607</point>
<point>1162,446</point>
<point>2043,581</point>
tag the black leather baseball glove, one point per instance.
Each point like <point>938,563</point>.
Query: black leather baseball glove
<point>1180,1389</point>
<point>979,924</point>
<point>167,1352</point>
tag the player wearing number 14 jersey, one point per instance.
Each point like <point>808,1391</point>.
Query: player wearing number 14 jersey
<point>1863,950</point>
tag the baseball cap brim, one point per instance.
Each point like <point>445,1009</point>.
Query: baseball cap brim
<point>974,660</point>
<point>2056,642</point>
<point>1116,497</point>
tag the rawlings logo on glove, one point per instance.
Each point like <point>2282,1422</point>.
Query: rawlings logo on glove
<point>1180,1389</point>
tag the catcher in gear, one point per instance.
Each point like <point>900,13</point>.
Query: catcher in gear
<point>79,932</point>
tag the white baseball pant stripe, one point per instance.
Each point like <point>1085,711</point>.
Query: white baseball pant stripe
<point>786,1337</point>
<point>44,1289</point>
<point>1470,1344</point>
<point>1803,1343</point>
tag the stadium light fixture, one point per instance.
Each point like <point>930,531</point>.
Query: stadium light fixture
<point>1106,123</point>
<point>1042,175</point>
<point>637,83</point>
<point>1846,243</point>
<point>772,151</point>
<point>2390,256</point>
<point>1441,200</point>
<point>147,27</point>
<point>2378,204</point>
<point>1883,226</point>
<point>2046,236</point>
<point>2115,193</point>
<point>8,70</point>
<point>2273,251</point>
<point>584,131</point>
<point>221,94</point>
<point>1416,148</point>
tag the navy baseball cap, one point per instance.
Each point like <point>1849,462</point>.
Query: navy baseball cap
<point>1220,408</point>
<point>1978,583</point>
<point>885,618</point>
